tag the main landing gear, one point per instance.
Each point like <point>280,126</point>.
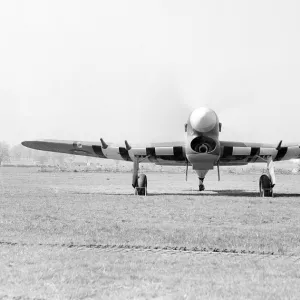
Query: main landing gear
<point>265,186</point>
<point>267,181</point>
<point>141,187</point>
<point>139,181</point>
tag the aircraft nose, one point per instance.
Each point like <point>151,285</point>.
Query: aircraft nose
<point>203,119</point>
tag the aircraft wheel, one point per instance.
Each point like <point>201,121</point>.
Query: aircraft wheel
<point>142,185</point>
<point>265,186</point>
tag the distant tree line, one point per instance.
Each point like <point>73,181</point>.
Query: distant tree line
<point>18,154</point>
<point>4,152</point>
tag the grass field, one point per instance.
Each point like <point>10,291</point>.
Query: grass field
<point>86,236</point>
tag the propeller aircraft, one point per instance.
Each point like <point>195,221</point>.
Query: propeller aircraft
<point>202,149</point>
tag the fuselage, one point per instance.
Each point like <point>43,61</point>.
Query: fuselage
<point>202,139</point>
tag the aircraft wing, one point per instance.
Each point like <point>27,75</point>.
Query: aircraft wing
<point>237,153</point>
<point>232,153</point>
<point>165,154</point>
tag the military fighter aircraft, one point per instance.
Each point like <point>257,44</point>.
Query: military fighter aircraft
<point>202,150</point>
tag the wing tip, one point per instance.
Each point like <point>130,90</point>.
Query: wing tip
<point>30,144</point>
<point>26,144</point>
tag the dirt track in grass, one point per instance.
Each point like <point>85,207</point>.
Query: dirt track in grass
<point>85,235</point>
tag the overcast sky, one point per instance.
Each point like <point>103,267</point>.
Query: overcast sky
<point>134,70</point>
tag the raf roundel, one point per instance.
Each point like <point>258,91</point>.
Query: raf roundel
<point>77,145</point>
<point>203,119</point>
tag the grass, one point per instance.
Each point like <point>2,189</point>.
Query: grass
<point>63,273</point>
<point>59,224</point>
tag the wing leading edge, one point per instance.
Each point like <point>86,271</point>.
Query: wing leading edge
<point>160,155</point>
<point>236,153</point>
<point>232,153</point>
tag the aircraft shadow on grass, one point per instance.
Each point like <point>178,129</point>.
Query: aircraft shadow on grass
<point>215,193</point>
<point>231,193</point>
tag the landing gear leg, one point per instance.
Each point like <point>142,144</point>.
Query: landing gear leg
<point>139,181</point>
<point>201,185</point>
<point>201,175</point>
<point>267,181</point>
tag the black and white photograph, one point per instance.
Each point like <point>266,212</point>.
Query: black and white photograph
<point>149,149</point>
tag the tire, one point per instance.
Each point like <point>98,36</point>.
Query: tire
<point>265,186</point>
<point>201,188</point>
<point>142,185</point>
